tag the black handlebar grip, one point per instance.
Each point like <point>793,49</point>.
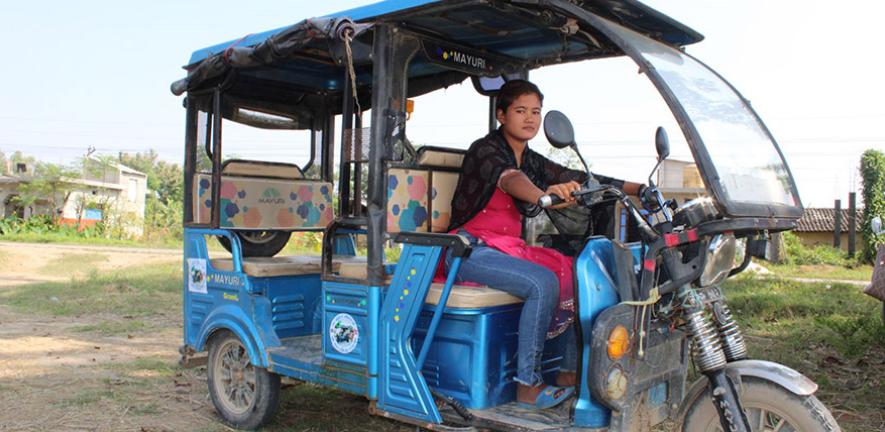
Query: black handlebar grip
<point>550,200</point>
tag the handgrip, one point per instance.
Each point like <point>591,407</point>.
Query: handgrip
<point>550,200</point>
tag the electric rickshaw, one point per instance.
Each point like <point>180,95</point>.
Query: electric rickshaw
<point>433,353</point>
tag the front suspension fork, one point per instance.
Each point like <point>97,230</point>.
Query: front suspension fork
<point>711,357</point>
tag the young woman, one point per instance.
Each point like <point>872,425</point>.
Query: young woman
<point>501,181</point>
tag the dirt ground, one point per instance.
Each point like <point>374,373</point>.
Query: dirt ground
<point>55,377</point>
<point>116,372</point>
<point>71,372</point>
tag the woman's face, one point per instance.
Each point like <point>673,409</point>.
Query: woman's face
<point>522,120</point>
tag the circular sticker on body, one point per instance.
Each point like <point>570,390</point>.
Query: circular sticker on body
<point>344,333</point>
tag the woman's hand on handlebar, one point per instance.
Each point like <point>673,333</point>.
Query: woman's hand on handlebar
<point>564,191</point>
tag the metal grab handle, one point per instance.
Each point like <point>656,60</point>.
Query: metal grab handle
<point>438,312</point>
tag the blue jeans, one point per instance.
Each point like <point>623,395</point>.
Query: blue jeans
<point>532,282</point>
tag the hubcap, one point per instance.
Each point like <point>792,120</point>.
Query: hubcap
<point>258,237</point>
<point>234,378</point>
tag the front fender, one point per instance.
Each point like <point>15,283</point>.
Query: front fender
<point>788,378</point>
<point>232,317</point>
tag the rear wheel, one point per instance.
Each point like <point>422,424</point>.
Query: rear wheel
<point>259,243</point>
<point>769,407</point>
<point>244,395</point>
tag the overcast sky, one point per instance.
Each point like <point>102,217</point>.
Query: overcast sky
<point>97,73</point>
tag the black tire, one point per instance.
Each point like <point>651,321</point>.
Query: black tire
<point>767,405</point>
<point>259,243</point>
<point>245,396</point>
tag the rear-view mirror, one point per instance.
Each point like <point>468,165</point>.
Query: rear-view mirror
<point>662,143</point>
<point>558,129</point>
<point>488,86</point>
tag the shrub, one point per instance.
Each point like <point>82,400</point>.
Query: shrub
<point>872,168</point>
<point>799,254</point>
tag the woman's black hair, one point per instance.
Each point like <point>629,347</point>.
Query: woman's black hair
<point>513,89</point>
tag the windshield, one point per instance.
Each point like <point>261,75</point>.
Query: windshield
<point>749,167</point>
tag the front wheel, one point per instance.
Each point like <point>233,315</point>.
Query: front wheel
<point>769,407</point>
<point>244,395</point>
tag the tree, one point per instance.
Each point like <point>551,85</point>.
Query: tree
<point>50,183</point>
<point>872,168</point>
<point>3,170</point>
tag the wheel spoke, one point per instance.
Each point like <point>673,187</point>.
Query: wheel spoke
<point>247,398</point>
<point>779,425</point>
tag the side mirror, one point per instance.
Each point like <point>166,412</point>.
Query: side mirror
<point>662,143</point>
<point>876,225</point>
<point>559,130</point>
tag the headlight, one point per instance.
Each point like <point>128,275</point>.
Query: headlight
<point>719,260</point>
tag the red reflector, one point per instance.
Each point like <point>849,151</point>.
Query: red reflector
<point>648,265</point>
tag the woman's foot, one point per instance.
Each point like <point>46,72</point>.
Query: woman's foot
<point>567,379</point>
<point>542,396</point>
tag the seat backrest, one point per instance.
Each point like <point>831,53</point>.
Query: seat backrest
<point>258,195</point>
<point>419,198</point>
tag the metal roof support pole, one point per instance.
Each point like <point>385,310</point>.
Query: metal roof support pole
<point>391,54</point>
<point>190,158</point>
<point>328,147</point>
<point>346,127</point>
<point>216,158</point>
<point>382,95</point>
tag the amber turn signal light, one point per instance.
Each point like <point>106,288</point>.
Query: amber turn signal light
<point>618,342</point>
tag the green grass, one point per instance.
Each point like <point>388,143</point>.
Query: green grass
<point>801,315</point>
<point>87,397</point>
<point>71,263</point>
<point>113,328</point>
<point>830,332</point>
<point>62,238</point>
<point>136,292</point>
<point>823,271</point>
<point>161,367</point>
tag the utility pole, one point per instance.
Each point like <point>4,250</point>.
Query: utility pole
<point>837,224</point>
<point>852,222</point>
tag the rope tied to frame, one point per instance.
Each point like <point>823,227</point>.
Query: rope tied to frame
<point>653,297</point>
<point>348,37</point>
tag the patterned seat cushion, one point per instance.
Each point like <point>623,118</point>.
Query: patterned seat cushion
<point>261,203</point>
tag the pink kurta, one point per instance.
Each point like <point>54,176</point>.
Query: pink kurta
<point>499,225</point>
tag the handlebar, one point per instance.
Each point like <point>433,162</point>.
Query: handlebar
<point>648,232</point>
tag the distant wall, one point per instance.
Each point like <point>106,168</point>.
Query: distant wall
<point>812,239</point>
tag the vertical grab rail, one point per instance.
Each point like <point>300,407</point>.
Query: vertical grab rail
<point>438,312</point>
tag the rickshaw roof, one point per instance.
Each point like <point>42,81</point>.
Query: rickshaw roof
<point>302,59</point>
<point>641,17</point>
<point>361,13</point>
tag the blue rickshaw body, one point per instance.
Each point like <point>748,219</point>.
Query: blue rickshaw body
<point>273,315</point>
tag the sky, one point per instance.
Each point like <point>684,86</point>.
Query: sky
<point>96,74</point>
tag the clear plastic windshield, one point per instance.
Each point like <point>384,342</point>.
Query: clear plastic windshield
<point>749,166</point>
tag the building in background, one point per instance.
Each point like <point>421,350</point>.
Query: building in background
<point>817,227</point>
<point>106,192</point>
